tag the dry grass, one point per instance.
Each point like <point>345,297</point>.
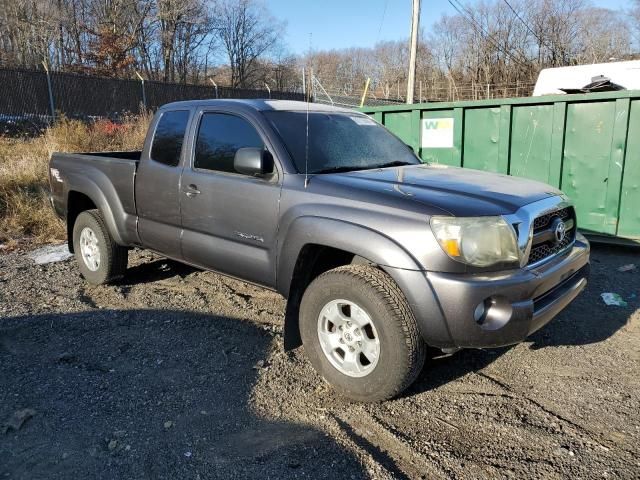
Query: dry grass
<point>25,213</point>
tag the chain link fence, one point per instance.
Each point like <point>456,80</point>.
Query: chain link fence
<point>31,99</point>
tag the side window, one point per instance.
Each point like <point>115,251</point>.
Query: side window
<point>169,137</point>
<point>219,138</point>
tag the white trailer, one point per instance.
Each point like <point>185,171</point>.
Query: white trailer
<point>551,80</point>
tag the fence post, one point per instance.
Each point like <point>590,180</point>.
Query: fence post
<point>364,93</point>
<point>215,85</point>
<point>144,94</point>
<point>51,104</point>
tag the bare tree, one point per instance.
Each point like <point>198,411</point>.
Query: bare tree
<point>27,32</point>
<point>247,32</point>
<point>183,26</point>
<point>634,15</point>
<point>604,36</point>
<point>487,48</point>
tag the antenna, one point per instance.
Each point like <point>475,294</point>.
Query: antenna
<point>306,148</point>
<point>309,93</point>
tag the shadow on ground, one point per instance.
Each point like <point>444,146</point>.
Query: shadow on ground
<point>147,394</point>
<point>161,269</point>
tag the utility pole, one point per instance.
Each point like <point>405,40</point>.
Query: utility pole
<point>415,20</point>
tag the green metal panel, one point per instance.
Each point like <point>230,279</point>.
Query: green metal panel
<point>587,172</point>
<point>458,132</point>
<point>400,123</point>
<point>504,139</point>
<point>618,150</point>
<point>557,143</point>
<point>531,143</point>
<point>487,133</point>
<point>581,143</point>
<point>415,131</point>
<point>629,224</point>
<point>481,137</point>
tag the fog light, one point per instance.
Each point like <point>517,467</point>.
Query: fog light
<point>480,313</point>
<point>493,312</point>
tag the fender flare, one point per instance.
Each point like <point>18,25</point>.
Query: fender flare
<point>357,239</point>
<point>373,246</point>
<point>115,221</point>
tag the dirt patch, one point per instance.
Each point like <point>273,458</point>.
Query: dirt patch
<point>178,373</point>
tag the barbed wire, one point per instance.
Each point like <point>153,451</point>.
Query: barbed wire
<point>426,91</point>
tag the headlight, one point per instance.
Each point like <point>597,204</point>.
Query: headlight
<point>479,241</point>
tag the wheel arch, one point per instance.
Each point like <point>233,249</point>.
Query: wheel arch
<point>335,243</point>
<point>87,198</point>
<point>77,202</point>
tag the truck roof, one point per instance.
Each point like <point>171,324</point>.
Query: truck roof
<point>260,104</point>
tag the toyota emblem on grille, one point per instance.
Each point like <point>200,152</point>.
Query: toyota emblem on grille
<point>560,230</point>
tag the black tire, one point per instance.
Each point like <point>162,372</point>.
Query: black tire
<point>113,257</point>
<point>402,349</point>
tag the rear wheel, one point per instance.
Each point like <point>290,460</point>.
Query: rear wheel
<point>360,334</point>
<point>99,258</point>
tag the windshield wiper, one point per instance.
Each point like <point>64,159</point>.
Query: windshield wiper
<point>343,168</point>
<point>392,164</point>
<point>351,168</point>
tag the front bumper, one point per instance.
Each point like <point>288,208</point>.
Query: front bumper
<point>518,302</point>
<point>522,301</point>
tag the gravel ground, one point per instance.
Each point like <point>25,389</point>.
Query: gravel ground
<point>177,373</point>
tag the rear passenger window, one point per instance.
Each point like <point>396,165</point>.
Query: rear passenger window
<point>169,137</point>
<point>219,138</point>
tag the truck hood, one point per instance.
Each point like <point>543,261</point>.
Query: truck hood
<point>457,191</point>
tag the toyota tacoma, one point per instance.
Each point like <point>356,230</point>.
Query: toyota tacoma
<point>378,254</point>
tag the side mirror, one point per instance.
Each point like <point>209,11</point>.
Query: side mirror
<point>253,161</point>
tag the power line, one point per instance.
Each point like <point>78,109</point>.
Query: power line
<point>384,12</point>
<point>484,33</point>
<point>527,25</point>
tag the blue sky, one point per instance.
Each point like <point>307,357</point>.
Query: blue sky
<point>346,23</point>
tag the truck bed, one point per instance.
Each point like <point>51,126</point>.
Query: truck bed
<point>112,173</point>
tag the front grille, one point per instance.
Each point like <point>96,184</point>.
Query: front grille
<point>542,229</point>
<point>544,250</point>
<point>544,220</point>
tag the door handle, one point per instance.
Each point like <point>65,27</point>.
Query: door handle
<point>192,191</point>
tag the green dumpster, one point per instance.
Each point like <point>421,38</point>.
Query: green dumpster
<point>588,145</point>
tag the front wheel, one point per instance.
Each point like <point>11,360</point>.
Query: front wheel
<point>360,334</point>
<point>99,258</point>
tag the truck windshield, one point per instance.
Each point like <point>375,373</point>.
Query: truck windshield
<point>339,142</point>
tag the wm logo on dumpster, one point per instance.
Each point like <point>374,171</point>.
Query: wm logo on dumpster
<point>436,132</point>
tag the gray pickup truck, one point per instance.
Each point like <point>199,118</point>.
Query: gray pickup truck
<point>377,254</point>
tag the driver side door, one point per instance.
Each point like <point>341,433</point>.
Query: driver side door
<point>229,219</point>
